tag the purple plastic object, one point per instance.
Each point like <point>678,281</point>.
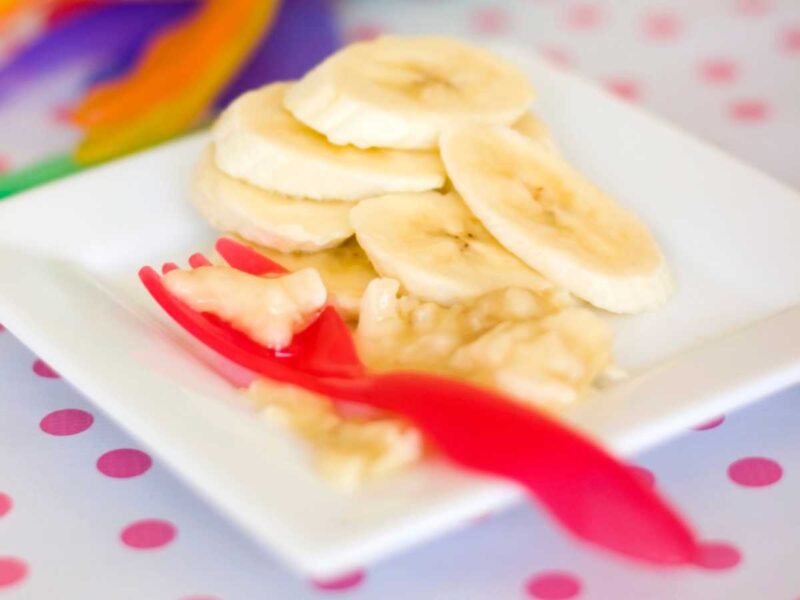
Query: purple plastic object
<point>304,33</point>
<point>101,36</point>
<point>118,65</point>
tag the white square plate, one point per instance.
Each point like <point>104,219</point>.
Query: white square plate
<point>69,253</point>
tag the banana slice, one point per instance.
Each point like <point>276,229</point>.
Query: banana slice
<point>438,251</point>
<point>530,126</point>
<point>259,141</point>
<point>266,218</point>
<point>402,92</point>
<point>555,220</point>
<point>345,271</point>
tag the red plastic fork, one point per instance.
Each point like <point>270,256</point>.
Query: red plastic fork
<point>325,348</point>
<point>589,492</point>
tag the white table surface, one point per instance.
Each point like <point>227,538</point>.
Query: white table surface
<point>728,70</point>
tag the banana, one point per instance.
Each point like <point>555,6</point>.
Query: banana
<point>403,92</point>
<point>349,451</point>
<point>259,141</point>
<point>266,218</point>
<point>549,362</point>
<point>401,331</point>
<point>539,352</point>
<point>436,248</point>
<point>530,126</point>
<point>345,271</point>
<point>270,310</point>
<point>555,220</point>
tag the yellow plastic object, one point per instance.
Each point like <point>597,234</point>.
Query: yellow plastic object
<point>175,81</point>
<point>11,9</point>
<point>8,7</point>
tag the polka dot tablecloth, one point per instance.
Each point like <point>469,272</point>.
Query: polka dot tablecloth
<point>86,513</point>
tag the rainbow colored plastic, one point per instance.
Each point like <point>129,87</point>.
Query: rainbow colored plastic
<point>159,67</point>
<point>175,81</point>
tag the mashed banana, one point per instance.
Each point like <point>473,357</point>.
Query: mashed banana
<point>538,348</point>
<point>348,450</point>
<point>535,347</point>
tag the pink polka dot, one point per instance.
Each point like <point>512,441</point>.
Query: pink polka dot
<point>749,111</point>
<point>148,534</point>
<point>364,32</point>
<point>790,40</point>
<point>557,56</point>
<point>12,571</point>
<point>553,585</point>
<point>584,16</point>
<point>490,20</point>
<point>715,422</point>
<point>2,329</point>
<point>718,556</point>
<point>67,421</point>
<point>645,476</point>
<point>5,504</point>
<point>340,584</point>
<point>5,166</point>
<point>662,26</point>
<point>718,71</point>
<point>124,463</point>
<point>624,88</point>
<point>42,369</point>
<point>752,8</point>
<point>755,471</point>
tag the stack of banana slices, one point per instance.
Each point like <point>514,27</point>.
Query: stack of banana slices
<point>410,173</point>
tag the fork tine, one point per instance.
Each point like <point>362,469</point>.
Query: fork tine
<point>326,346</point>
<point>246,259</point>
<point>197,260</point>
<point>167,267</point>
<point>241,350</point>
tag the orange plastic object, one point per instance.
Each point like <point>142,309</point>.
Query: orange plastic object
<point>175,81</point>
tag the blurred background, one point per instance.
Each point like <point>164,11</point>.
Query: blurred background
<point>82,81</point>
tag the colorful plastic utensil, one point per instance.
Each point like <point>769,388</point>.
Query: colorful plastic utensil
<point>95,37</point>
<point>589,492</point>
<point>304,34</point>
<point>175,81</point>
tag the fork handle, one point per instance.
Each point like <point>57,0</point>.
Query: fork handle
<point>588,491</point>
